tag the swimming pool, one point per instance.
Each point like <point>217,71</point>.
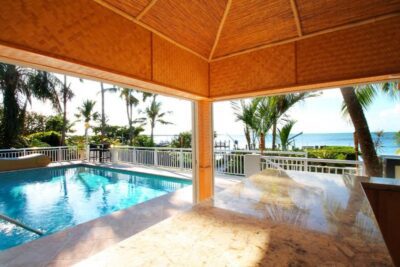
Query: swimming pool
<point>53,199</point>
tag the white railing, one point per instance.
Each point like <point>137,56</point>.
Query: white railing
<point>178,158</point>
<point>313,165</point>
<point>229,162</point>
<point>56,154</point>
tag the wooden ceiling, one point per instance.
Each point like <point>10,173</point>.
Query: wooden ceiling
<point>215,29</point>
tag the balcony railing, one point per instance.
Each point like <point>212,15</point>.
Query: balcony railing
<point>313,165</point>
<point>231,162</point>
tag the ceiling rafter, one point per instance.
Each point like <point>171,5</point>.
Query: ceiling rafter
<point>220,27</point>
<point>296,17</point>
<point>146,9</point>
<point>290,40</point>
<point>133,19</point>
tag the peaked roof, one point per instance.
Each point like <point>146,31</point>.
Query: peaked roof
<point>214,29</point>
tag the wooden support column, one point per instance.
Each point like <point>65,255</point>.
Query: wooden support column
<point>203,151</point>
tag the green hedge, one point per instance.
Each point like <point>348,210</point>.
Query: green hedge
<point>51,137</point>
<point>333,152</point>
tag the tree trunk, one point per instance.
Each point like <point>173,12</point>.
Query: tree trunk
<point>274,135</point>
<point>152,133</point>
<point>103,116</point>
<point>64,126</point>
<point>371,160</point>
<point>86,134</point>
<point>262,143</point>
<point>247,135</point>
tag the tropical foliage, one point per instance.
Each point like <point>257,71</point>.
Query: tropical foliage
<point>50,138</point>
<point>284,134</point>
<point>20,128</point>
<point>18,86</point>
<point>356,101</point>
<point>154,115</point>
<point>263,114</point>
<point>245,112</point>
<point>333,152</point>
<point>87,114</point>
<point>183,140</point>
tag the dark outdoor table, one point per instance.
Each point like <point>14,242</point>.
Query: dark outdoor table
<point>99,152</point>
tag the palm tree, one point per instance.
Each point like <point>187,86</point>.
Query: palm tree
<point>66,95</point>
<point>264,118</point>
<point>86,112</point>
<point>356,100</point>
<point>18,86</point>
<point>154,115</point>
<point>284,134</point>
<point>103,114</point>
<point>282,103</point>
<point>245,112</point>
<point>130,102</point>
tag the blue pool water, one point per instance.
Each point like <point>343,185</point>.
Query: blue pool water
<point>53,199</point>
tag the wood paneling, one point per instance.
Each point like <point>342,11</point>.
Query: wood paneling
<point>178,68</point>
<point>333,59</point>
<point>319,15</point>
<point>259,70</point>
<point>132,7</point>
<point>192,23</point>
<point>252,23</point>
<point>79,31</point>
<point>363,51</point>
<point>88,40</point>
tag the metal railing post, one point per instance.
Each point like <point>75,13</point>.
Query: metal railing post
<point>181,159</point>
<point>134,160</point>
<point>155,157</point>
<point>88,153</point>
<point>59,155</point>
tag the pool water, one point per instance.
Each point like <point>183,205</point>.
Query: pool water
<point>53,199</point>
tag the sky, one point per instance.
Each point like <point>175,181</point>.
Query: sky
<point>320,114</point>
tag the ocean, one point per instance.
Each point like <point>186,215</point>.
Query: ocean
<point>388,141</point>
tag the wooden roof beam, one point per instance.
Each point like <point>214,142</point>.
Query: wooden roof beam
<point>146,9</point>
<point>221,25</point>
<point>296,17</point>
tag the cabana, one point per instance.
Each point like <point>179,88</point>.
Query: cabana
<point>207,51</point>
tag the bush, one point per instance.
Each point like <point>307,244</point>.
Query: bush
<point>183,140</point>
<point>143,141</point>
<point>333,152</point>
<point>38,143</point>
<point>51,138</point>
<point>76,140</point>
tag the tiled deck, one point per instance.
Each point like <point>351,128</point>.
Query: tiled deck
<point>270,219</point>
<point>78,243</point>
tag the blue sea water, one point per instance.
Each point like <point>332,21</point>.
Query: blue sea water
<point>388,141</point>
<point>53,199</point>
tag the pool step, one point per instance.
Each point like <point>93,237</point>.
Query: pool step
<point>20,224</point>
